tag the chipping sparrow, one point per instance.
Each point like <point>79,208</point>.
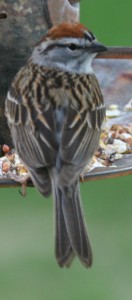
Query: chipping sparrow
<point>55,110</point>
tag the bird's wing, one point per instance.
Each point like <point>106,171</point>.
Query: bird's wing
<point>32,130</point>
<point>80,135</point>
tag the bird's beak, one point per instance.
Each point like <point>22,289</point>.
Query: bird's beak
<point>97,47</point>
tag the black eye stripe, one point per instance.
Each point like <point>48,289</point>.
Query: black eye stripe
<point>68,45</point>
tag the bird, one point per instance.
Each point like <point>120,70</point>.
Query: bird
<point>55,110</point>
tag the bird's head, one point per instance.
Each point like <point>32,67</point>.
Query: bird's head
<point>68,46</point>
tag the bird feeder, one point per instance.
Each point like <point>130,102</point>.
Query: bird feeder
<point>22,25</point>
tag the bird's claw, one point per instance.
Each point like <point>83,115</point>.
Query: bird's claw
<point>22,179</point>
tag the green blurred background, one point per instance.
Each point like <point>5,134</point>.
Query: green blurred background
<point>28,269</point>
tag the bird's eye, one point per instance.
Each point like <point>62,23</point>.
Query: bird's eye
<point>72,46</point>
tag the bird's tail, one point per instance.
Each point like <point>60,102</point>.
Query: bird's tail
<point>71,235</point>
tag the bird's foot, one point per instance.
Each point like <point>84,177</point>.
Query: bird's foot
<point>22,179</point>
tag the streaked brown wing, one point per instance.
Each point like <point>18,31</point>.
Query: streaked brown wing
<point>80,140</point>
<point>32,132</point>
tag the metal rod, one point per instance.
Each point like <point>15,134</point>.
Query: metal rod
<point>94,175</point>
<point>6,182</point>
<point>116,53</point>
<point>107,173</point>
